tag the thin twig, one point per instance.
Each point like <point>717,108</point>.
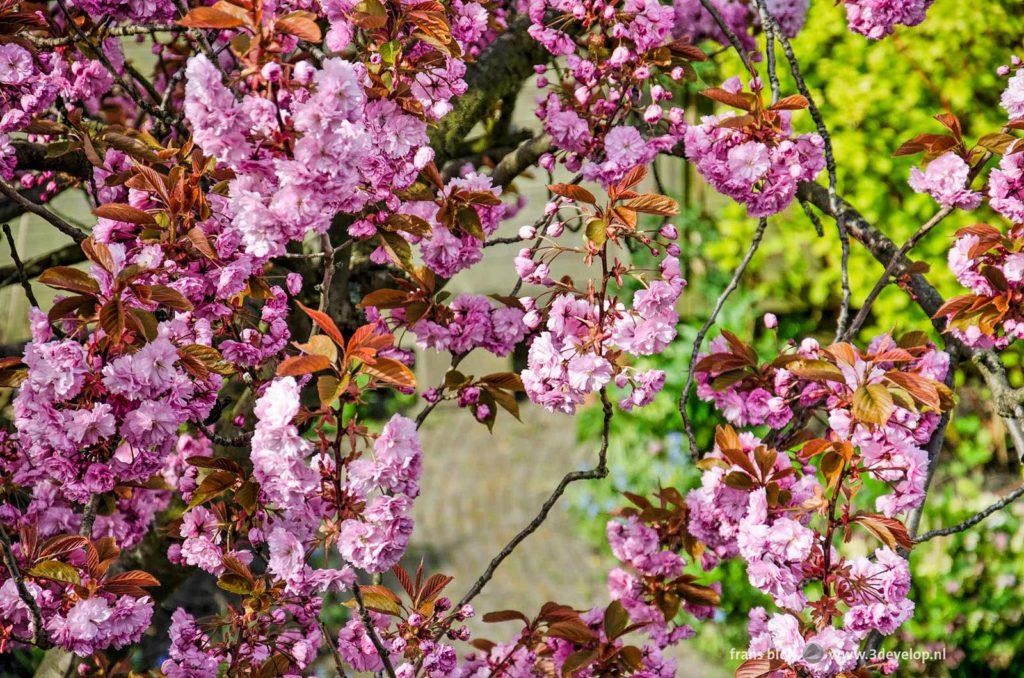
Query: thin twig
<point>114,32</point>
<point>830,160</point>
<point>371,631</point>
<point>22,278</point>
<point>599,471</point>
<point>893,264</point>
<point>722,298</point>
<point>973,520</point>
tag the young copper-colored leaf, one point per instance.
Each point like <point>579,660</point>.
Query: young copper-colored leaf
<point>121,212</point>
<point>208,17</point>
<point>632,178</point>
<point>67,278</point>
<point>505,399</point>
<point>384,298</point>
<point>510,381</point>
<point>741,100</point>
<point>61,545</point>
<point>575,631</point>
<point>815,370</point>
<point>398,249</point>
<point>139,578</point>
<point>55,570</point>
<point>890,531</point>
<point>233,583</point>
<point>578,660</point>
<point>324,322</point>
<point>573,192</point>
<point>320,344</point>
<point>212,486</point>
<point>390,371</point>
<point>298,365</point>
<point>652,203</point>
<point>301,24</point>
<point>922,389</point>
<point>199,240</point>
<point>615,620</point>
<point>209,357</point>
<point>759,667</point>
<point>112,318</point>
<point>168,296</point>
<point>378,602</point>
<point>410,223</point>
<point>327,388</point>
<point>794,102</point>
<point>504,616</point>
<point>872,403</point>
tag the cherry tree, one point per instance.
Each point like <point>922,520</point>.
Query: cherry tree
<point>281,198</point>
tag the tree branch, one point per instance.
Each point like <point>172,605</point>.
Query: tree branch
<point>32,156</point>
<point>64,227</point>
<point>973,520</point>
<point>498,72</point>
<point>722,298</point>
<point>599,471</point>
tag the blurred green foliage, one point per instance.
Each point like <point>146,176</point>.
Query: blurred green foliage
<point>969,588</point>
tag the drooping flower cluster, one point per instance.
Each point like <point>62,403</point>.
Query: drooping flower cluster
<point>780,511</point>
<point>647,593</point>
<point>378,540</point>
<point>837,379</point>
<point>586,112</point>
<point>474,322</point>
<point>754,158</point>
<point>568,360</point>
<point>991,265</point>
<point>1012,98</point>
<point>877,19</point>
<point>651,584</point>
<point>581,332</point>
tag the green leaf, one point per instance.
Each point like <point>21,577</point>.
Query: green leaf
<point>57,571</point>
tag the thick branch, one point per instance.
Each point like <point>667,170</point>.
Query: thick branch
<point>499,71</point>
<point>32,156</point>
<point>928,298</point>
<point>519,160</point>
<point>65,256</point>
<point>27,205</point>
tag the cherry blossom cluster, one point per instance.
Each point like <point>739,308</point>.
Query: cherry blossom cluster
<point>581,333</point>
<point>780,512</point>
<point>991,265</point>
<point>877,19</point>
<point>836,379</point>
<point>300,491</point>
<point>1012,98</point>
<point>32,81</point>
<point>648,592</point>
<point>590,109</point>
<point>947,180</point>
<point>754,158</point>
